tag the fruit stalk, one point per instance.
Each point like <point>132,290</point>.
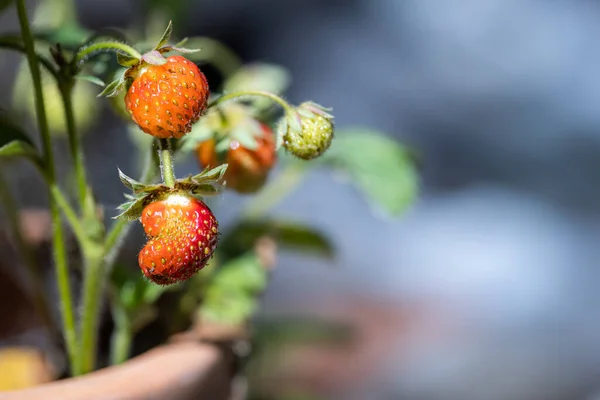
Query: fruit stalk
<point>109,45</point>
<point>235,95</point>
<point>58,242</point>
<point>166,162</point>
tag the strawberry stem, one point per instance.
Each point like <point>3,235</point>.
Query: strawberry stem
<point>241,94</point>
<point>108,45</point>
<point>166,162</point>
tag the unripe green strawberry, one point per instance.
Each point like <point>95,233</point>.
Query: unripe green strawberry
<point>183,234</point>
<point>315,134</point>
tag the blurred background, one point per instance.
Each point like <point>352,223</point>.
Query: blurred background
<point>487,287</point>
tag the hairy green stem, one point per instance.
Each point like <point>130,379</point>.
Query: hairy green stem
<point>166,162</point>
<point>275,191</point>
<point>70,215</point>
<point>103,46</point>
<point>40,301</point>
<point>241,94</point>
<point>66,91</point>
<point>58,242</point>
<point>93,286</point>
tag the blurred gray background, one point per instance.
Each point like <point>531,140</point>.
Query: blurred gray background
<point>497,263</point>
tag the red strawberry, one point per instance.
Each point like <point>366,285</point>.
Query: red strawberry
<point>247,170</point>
<point>165,100</point>
<point>183,234</point>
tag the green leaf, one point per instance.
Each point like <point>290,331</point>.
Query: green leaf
<point>259,76</point>
<point>288,234</point>
<point>166,36</point>
<point>380,167</point>
<point>227,308</point>
<point>242,275</point>
<point>126,60</point>
<point>135,186</point>
<point>132,210</point>
<point>211,174</point>
<point>18,148</point>
<point>113,88</point>
<point>90,78</point>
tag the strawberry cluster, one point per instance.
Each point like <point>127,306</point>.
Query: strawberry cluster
<point>165,97</point>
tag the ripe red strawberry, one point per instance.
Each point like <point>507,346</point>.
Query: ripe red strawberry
<point>247,169</point>
<point>165,100</point>
<point>183,234</point>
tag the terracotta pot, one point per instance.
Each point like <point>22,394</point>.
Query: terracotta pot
<point>178,371</point>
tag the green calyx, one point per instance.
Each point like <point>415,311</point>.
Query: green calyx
<point>136,62</point>
<point>227,123</point>
<point>309,133</point>
<point>206,183</point>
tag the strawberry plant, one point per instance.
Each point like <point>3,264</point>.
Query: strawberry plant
<point>244,137</point>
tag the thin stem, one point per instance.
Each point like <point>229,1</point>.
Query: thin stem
<point>93,286</point>
<point>166,162</point>
<point>58,242</point>
<point>241,94</point>
<point>66,91</point>
<point>275,191</point>
<point>70,215</point>
<point>109,45</point>
<point>35,275</point>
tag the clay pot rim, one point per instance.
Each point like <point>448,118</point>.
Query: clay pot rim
<point>177,371</point>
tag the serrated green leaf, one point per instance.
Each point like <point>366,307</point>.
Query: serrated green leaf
<point>112,89</point>
<point>134,185</point>
<point>132,210</point>
<point>90,78</point>
<point>379,166</point>
<point>166,36</point>
<point>288,234</point>
<point>205,190</point>
<point>211,174</point>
